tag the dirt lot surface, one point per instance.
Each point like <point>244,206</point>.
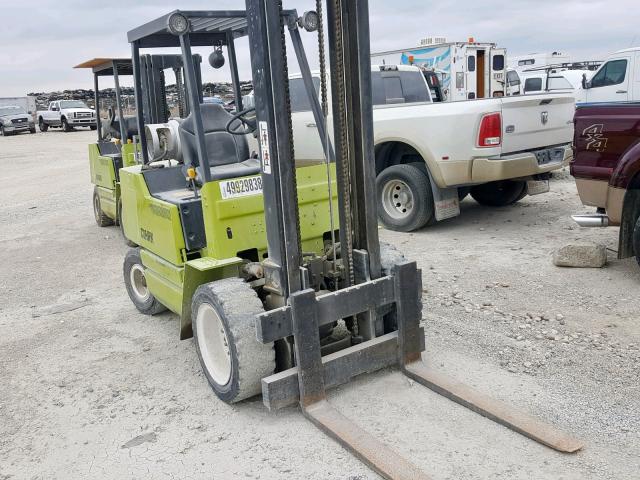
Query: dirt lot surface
<point>92,389</point>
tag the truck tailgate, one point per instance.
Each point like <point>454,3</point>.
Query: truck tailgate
<point>536,121</point>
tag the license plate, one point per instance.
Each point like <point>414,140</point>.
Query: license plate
<point>536,187</point>
<point>241,187</point>
<point>550,155</point>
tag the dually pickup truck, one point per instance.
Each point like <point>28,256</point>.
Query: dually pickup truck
<point>429,155</point>
<point>606,167</point>
<point>66,114</point>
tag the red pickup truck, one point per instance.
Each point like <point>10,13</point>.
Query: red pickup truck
<point>606,166</point>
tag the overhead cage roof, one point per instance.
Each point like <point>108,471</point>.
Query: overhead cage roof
<point>104,66</point>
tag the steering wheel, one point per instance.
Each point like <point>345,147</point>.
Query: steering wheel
<point>249,124</point>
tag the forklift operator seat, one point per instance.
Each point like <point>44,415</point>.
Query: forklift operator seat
<point>228,154</point>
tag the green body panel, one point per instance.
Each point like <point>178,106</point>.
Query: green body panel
<point>231,225</point>
<point>151,223</point>
<point>103,176</point>
<point>242,218</point>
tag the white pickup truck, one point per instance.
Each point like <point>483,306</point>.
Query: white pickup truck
<point>431,155</point>
<point>66,114</point>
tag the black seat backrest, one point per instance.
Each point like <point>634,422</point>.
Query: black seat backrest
<point>222,147</point>
<point>111,128</point>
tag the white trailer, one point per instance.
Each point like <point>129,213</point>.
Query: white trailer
<point>28,103</point>
<point>469,70</point>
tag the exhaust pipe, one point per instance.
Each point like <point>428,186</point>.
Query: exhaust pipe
<point>593,220</point>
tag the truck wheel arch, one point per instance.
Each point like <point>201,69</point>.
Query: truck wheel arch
<point>396,152</point>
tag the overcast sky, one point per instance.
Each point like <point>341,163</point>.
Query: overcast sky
<point>40,40</point>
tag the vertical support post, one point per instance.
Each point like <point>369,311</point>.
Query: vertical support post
<point>340,136</point>
<point>266,44</point>
<point>356,27</point>
<point>137,87</point>
<point>408,290</point>
<point>116,81</point>
<point>194,98</point>
<point>96,96</point>
<point>233,66</point>
<point>304,313</point>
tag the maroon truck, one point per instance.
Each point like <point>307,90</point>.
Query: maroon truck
<point>606,166</point>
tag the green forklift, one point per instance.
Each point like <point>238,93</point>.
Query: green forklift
<point>276,270</point>
<point>117,144</point>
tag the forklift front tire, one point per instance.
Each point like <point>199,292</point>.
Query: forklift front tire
<point>101,218</point>
<point>405,200</point>
<point>136,283</point>
<point>223,317</point>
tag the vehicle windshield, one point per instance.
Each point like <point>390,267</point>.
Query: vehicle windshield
<point>72,104</point>
<point>11,111</point>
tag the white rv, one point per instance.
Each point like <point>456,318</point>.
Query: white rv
<point>468,70</point>
<point>537,60</point>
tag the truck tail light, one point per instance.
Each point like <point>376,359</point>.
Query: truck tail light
<point>490,132</point>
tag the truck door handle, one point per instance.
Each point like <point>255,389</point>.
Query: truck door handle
<point>621,91</point>
<point>312,125</point>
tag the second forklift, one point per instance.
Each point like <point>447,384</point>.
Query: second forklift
<point>117,143</point>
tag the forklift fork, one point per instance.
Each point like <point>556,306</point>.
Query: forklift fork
<point>307,382</point>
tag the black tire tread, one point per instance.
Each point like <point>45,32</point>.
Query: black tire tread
<point>416,177</point>
<point>238,304</point>
<point>152,307</point>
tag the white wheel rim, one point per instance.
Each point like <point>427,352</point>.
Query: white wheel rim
<point>397,199</point>
<point>213,344</point>
<point>139,283</point>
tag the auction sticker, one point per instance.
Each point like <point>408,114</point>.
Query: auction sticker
<point>265,154</point>
<point>241,187</point>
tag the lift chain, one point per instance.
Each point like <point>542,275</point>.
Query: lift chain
<point>322,58</point>
<point>287,96</point>
<point>343,154</point>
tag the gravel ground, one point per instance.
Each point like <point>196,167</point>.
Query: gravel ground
<point>92,389</point>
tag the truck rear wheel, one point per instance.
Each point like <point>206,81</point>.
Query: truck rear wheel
<point>636,240</point>
<point>223,317</point>
<point>42,126</point>
<point>405,200</point>
<point>101,218</point>
<point>135,282</point>
<point>499,194</point>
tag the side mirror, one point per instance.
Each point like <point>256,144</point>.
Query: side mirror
<point>30,112</point>
<point>585,84</point>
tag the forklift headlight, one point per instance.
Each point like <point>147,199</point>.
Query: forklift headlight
<point>178,24</point>
<point>309,21</point>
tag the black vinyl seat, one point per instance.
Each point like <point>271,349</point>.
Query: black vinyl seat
<point>228,154</point>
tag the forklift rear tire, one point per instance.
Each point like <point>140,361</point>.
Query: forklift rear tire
<point>499,194</point>
<point>405,200</point>
<point>42,126</point>
<point>101,218</point>
<point>223,317</point>
<point>136,284</point>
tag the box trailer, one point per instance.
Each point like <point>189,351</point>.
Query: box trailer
<point>468,70</point>
<point>28,103</point>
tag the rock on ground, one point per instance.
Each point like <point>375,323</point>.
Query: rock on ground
<point>582,255</point>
